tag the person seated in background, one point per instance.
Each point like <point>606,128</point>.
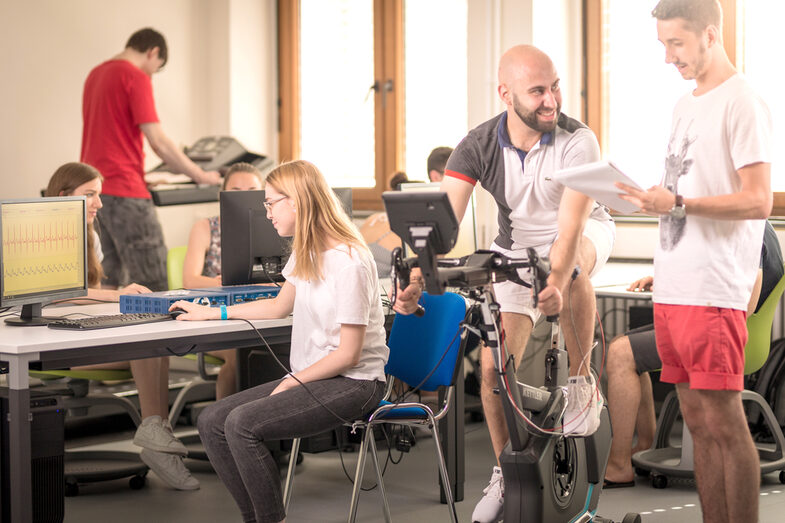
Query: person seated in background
<point>437,161</point>
<point>376,232</point>
<point>202,265</point>
<point>376,228</point>
<point>161,450</point>
<point>633,355</point>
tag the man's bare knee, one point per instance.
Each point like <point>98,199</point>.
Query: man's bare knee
<point>620,357</point>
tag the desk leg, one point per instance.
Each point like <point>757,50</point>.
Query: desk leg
<point>452,434</point>
<point>20,476</point>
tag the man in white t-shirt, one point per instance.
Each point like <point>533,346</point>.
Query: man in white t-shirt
<point>714,198</point>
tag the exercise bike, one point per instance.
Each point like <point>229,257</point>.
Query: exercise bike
<point>548,477</point>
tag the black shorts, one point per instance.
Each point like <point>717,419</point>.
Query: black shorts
<point>132,242</point>
<point>644,349</point>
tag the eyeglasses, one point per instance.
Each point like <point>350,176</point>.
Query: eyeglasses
<point>269,204</point>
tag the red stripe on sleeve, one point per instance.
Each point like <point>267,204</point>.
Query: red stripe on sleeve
<point>460,176</point>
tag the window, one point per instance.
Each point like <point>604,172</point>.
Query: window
<point>759,22</point>
<point>336,72</point>
<point>369,87</point>
<point>435,71</point>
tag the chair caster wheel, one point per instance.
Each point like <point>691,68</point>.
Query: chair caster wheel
<point>137,482</point>
<point>659,481</point>
<point>644,473</point>
<point>71,489</point>
<point>782,476</point>
<point>631,518</point>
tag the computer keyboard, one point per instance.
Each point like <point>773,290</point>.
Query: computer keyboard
<point>105,322</point>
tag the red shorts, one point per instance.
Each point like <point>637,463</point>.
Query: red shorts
<point>702,346</point>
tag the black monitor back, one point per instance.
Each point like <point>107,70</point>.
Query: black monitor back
<point>344,195</point>
<point>251,250</point>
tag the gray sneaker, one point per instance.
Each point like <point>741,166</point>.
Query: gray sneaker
<point>170,468</point>
<point>156,434</point>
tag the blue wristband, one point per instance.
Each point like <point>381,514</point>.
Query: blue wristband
<point>223,312</point>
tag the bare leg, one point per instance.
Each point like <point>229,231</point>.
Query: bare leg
<point>727,470</point>
<point>152,381</point>
<point>517,328</point>
<point>226,385</point>
<point>646,422</point>
<point>580,307</point>
<point>623,400</point>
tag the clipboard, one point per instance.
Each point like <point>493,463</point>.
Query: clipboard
<point>597,180</point>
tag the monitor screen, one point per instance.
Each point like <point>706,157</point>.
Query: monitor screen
<point>44,256</point>
<point>467,234</point>
<point>251,250</point>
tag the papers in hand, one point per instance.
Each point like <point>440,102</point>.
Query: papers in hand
<point>597,180</point>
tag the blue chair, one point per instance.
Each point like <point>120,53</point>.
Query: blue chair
<point>425,351</point>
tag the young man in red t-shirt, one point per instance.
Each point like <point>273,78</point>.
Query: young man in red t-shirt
<point>117,109</point>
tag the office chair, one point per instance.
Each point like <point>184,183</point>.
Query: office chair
<point>89,466</point>
<point>425,351</point>
<point>665,459</point>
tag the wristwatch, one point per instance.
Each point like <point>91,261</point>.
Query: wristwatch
<point>678,210</point>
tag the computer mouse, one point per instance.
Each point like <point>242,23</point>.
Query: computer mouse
<point>174,313</point>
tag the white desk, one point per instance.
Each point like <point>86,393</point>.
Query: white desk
<point>44,348</point>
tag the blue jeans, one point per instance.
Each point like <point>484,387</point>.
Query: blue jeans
<point>234,430</point>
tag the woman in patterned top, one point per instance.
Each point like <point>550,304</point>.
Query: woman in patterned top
<point>202,266</point>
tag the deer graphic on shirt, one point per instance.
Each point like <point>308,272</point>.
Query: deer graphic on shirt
<point>676,166</point>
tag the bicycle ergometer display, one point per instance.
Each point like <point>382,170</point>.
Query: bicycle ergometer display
<point>548,477</point>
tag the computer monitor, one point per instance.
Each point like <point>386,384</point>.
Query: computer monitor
<point>251,249</point>
<point>467,234</point>
<point>44,256</point>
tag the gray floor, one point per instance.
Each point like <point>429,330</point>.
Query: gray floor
<point>322,493</point>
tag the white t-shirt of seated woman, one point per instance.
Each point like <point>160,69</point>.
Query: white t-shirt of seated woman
<point>347,294</point>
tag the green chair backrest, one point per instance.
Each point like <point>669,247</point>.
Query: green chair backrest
<point>759,328</point>
<point>175,259</point>
<point>88,374</point>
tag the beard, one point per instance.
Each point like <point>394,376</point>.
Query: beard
<point>530,117</point>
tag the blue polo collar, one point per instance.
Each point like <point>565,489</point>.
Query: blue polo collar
<point>504,137</point>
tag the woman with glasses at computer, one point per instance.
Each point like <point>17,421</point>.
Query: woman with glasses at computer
<point>161,450</point>
<point>338,349</point>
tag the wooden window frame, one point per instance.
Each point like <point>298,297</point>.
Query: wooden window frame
<point>593,21</point>
<point>389,108</point>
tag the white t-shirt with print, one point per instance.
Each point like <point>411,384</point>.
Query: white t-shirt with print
<point>705,261</point>
<point>347,294</point>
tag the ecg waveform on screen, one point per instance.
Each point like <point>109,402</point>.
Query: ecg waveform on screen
<point>25,239</point>
<point>43,247</point>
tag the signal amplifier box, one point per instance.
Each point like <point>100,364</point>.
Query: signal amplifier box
<point>243,293</point>
<point>161,301</point>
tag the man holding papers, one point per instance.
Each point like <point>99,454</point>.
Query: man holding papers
<point>712,204</point>
<point>514,156</point>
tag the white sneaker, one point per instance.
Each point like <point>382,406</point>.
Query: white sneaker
<point>156,434</point>
<point>584,406</point>
<point>170,468</point>
<point>491,506</point>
